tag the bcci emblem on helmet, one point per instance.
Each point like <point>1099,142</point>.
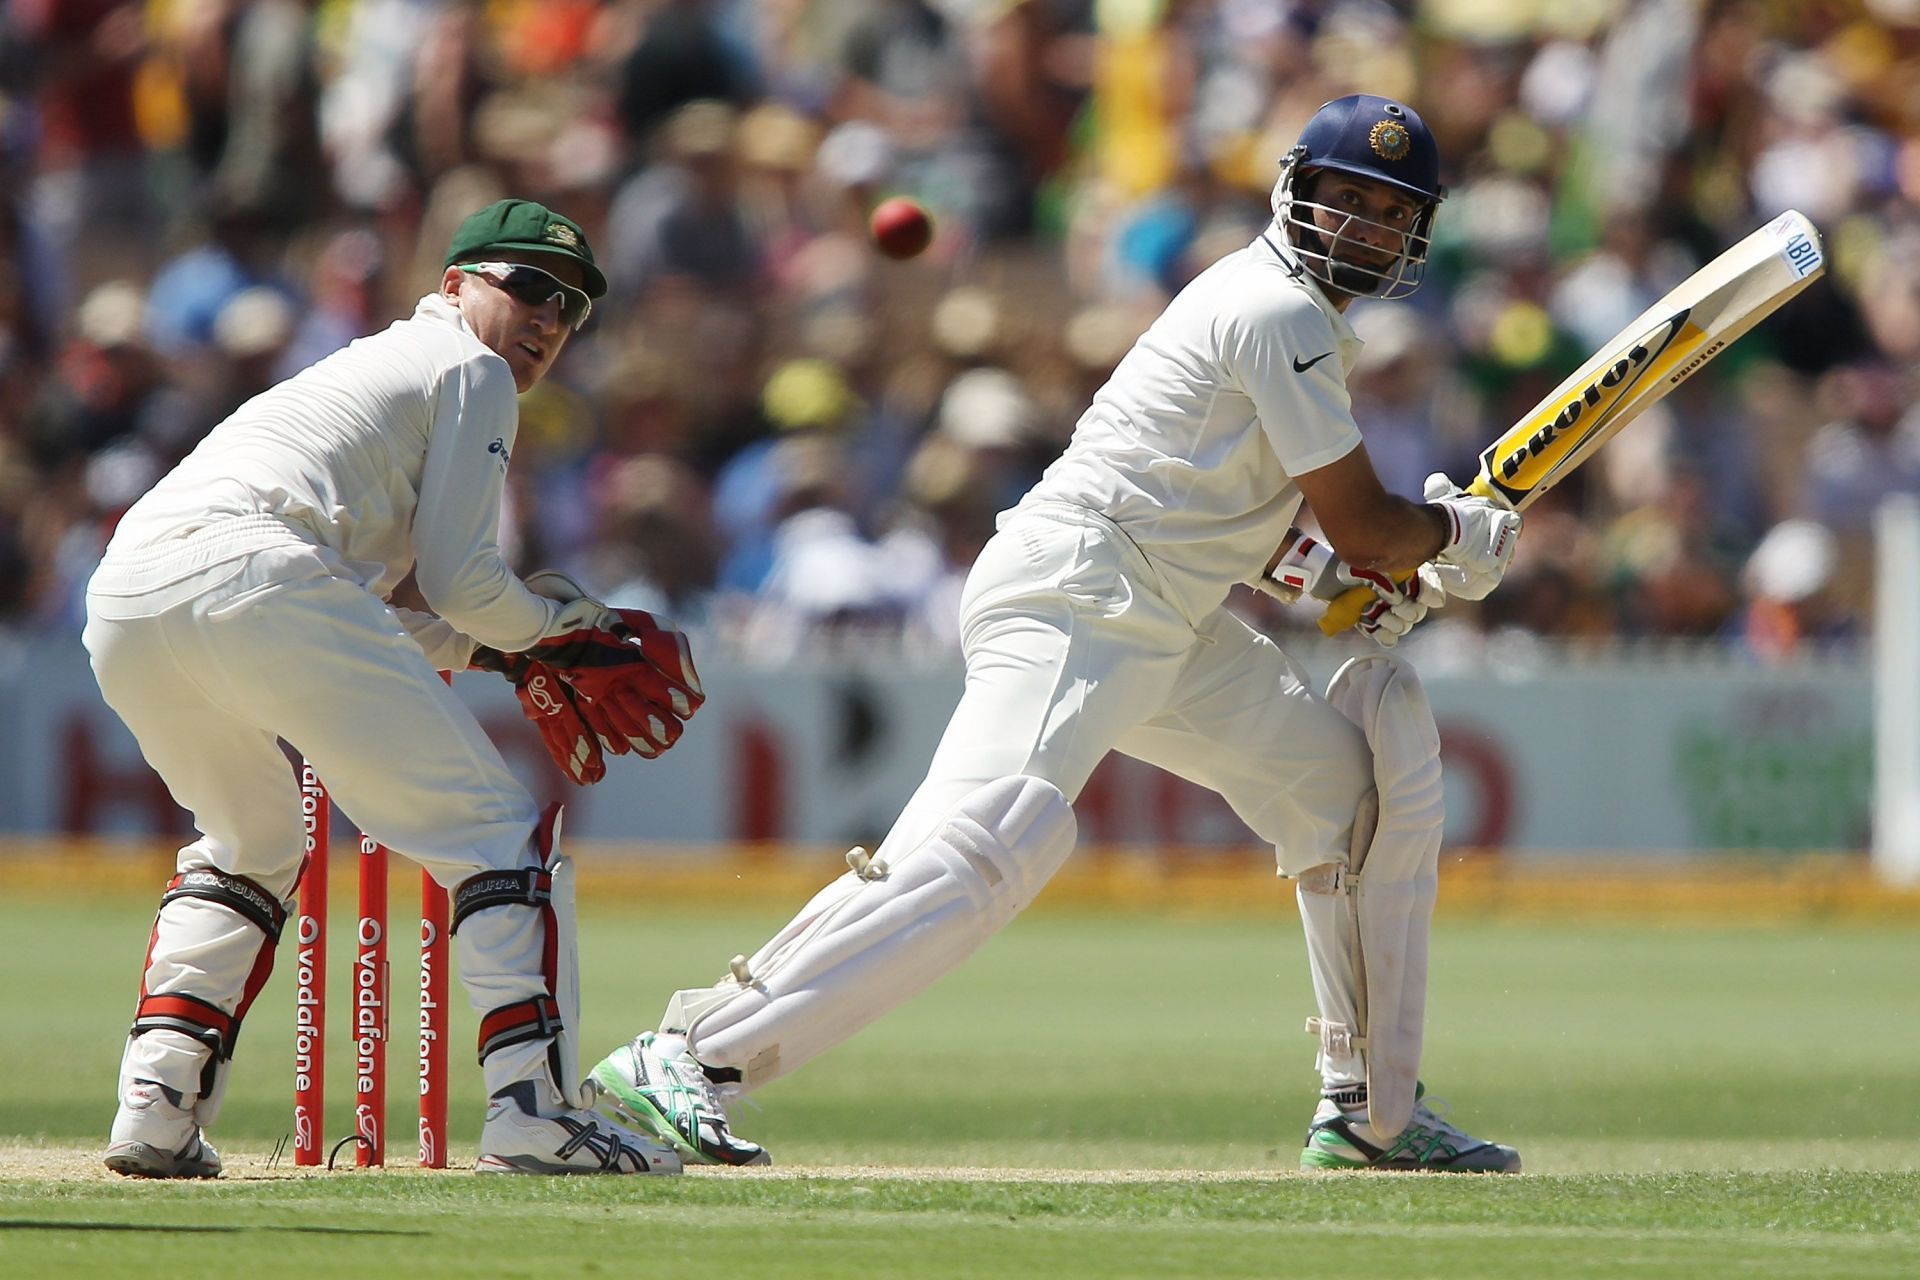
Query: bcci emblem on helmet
<point>1390,140</point>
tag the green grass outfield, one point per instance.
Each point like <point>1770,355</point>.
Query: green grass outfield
<point>1097,1094</point>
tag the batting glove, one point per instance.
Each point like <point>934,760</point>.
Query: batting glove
<point>1311,567</point>
<point>1480,542</point>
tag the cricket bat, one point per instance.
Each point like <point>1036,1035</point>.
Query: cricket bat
<point>1670,342</point>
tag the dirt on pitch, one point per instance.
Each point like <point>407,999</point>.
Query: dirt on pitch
<point>82,1164</point>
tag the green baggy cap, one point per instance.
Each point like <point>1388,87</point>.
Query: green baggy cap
<point>522,224</point>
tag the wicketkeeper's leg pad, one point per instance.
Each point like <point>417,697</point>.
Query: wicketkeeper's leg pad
<point>210,954</point>
<point>880,934</point>
<point>1367,922</point>
<point>520,960</point>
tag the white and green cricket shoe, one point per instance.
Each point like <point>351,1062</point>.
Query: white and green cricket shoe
<point>1428,1143</point>
<point>656,1084</point>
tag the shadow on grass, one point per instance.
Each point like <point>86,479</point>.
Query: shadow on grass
<point>28,1224</point>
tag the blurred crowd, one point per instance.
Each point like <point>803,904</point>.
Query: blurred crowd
<point>780,438</point>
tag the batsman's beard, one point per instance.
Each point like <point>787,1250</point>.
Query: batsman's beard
<point>1350,278</point>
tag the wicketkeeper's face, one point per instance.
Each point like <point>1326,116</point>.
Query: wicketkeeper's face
<point>524,328</point>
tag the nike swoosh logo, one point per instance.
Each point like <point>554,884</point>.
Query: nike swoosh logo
<point>1299,367</point>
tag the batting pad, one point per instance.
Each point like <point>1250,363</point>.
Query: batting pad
<point>1332,927</point>
<point>1395,882</point>
<point>880,934</point>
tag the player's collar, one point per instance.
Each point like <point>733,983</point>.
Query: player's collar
<point>1270,243</point>
<point>1282,254</point>
<point>435,307</point>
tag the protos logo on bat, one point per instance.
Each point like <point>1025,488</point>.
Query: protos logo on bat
<point>1524,457</point>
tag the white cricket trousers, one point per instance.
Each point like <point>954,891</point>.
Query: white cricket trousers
<point>1072,653</point>
<point>215,647</point>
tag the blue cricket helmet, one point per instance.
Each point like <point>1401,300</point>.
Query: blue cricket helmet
<point>1370,137</point>
<point>1373,137</point>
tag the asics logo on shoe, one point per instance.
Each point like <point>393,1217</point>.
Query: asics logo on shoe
<point>1422,1147</point>
<point>1300,366</point>
<point>589,1136</point>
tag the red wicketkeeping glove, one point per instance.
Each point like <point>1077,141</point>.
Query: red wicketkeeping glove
<point>567,728</point>
<point>631,670</point>
<point>636,672</point>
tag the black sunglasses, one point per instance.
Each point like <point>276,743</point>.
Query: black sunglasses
<point>534,287</point>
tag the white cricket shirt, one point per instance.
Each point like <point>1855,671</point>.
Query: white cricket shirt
<point>392,453</point>
<point>1192,445</point>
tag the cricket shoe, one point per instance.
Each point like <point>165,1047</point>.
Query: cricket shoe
<point>515,1139</point>
<point>655,1083</point>
<point>154,1136</point>
<point>1428,1143</point>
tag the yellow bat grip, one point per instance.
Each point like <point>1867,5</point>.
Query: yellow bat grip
<point>1346,610</point>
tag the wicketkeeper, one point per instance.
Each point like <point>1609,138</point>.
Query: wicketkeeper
<point>1093,622</point>
<point>243,603</point>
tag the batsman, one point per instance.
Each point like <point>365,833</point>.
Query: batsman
<point>244,602</point>
<point>1093,622</point>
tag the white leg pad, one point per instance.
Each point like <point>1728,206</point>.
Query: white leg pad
<point>512,955</point>
<point>880,934</point>
<point>1332,928</point>
<point>1395,878</point>
<point>210,953</point>
<point>566,981</point>
<point>166,1056</point>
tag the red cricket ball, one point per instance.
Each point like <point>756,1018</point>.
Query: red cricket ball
<point>900,227</point>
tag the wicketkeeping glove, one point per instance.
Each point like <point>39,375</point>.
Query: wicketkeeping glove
<point>566,726</point>
<point>633,670</point>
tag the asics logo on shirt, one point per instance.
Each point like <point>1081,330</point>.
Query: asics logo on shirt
<point>499,446</point>
<point>1301,366</point>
